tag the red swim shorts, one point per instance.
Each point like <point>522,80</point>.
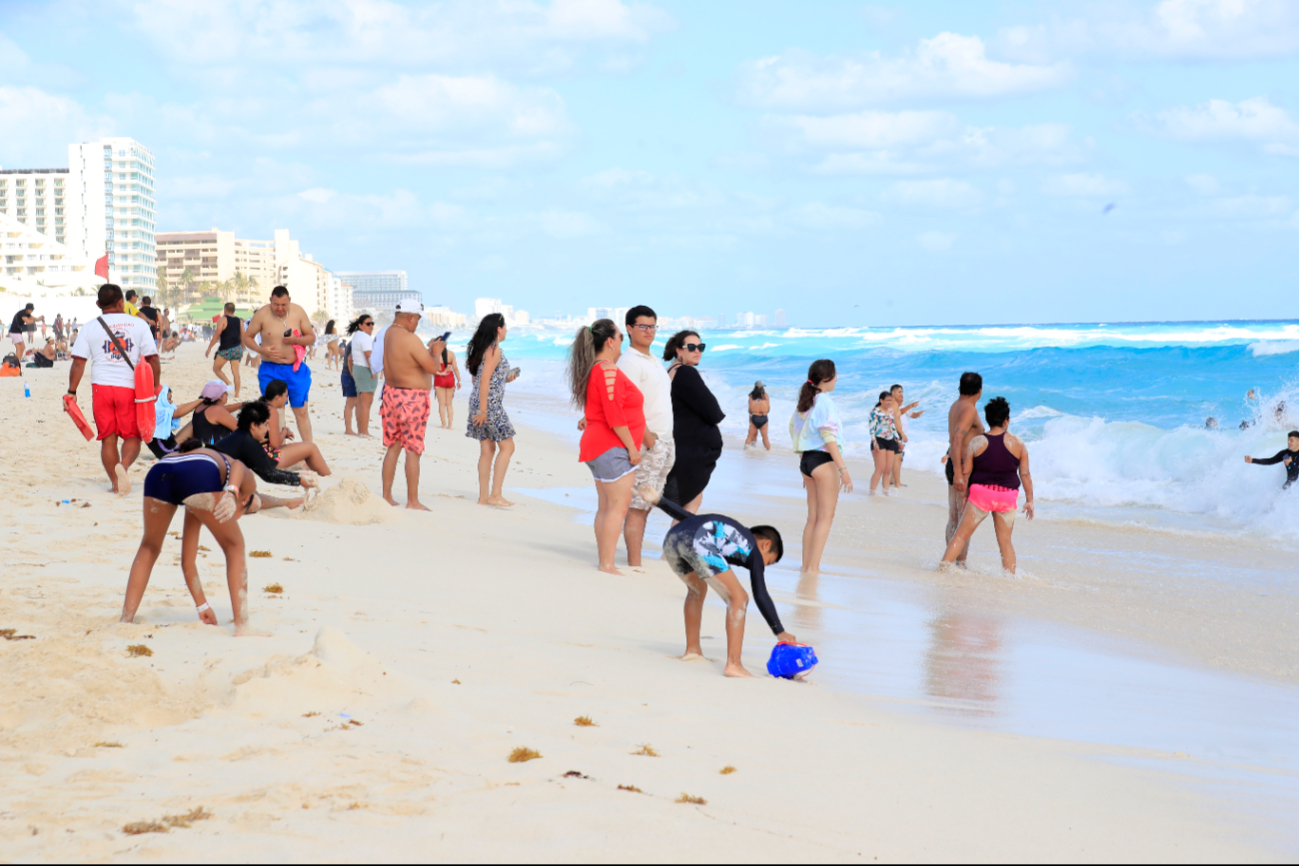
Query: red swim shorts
<point>114,410</point>
<point>405,414</point>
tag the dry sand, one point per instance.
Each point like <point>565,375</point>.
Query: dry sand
<point>411,653</point>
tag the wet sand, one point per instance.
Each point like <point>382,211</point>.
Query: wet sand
<point>457,636</point>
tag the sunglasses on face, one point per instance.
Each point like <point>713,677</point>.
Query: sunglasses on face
<point>646,328</point>
<point>695,347</point>
<point>366,324</point>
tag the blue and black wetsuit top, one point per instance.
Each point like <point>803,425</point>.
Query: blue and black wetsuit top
<point>1291,468</point>
<point>710,543</point>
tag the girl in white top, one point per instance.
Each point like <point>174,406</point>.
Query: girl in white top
<point>817,433</point>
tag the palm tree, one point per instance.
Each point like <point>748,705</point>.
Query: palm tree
<point>187,281</point>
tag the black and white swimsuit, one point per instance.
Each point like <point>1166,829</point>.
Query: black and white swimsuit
<point>708,544</point>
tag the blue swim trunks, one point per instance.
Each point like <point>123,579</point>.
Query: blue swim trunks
<point>299,383</point>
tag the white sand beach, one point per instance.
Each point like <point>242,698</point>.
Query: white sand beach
<point>409,654</point>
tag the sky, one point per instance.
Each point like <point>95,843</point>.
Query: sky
<point>853,164</point>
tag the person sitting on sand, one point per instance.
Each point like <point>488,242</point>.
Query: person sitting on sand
<point>276,443</point>
<point>701,550</point>
<point>212,487</point>
<point>213,417</point>
<point>1288,455</point>
<point>245,445</point>
<point>408,366</point>
<point>995,462</point>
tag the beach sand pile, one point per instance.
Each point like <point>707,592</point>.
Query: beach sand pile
<point>410,655</point>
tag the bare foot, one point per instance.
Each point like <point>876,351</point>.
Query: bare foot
<point>416,505</point>
<point>123,486</point>
<point>499,501</point>
<point>693,657</point>
<point>737,671</point>
<point>348,433</point>
<point>611,569</point>
<point>388,499</point>
<point>296,502</point>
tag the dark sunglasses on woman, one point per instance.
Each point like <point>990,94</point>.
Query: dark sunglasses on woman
<point>695,347</point>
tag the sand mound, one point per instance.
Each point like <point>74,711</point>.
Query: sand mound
<point>349,501</point>
<point>336,674</point>
<point>62,693</point>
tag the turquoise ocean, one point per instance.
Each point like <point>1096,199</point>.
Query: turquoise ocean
<point>1115,413</point>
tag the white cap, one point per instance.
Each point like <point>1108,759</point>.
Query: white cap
<point>410,305</point>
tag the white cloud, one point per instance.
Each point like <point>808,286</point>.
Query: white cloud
<point>823,217</point>
<point>936,242</point>
<point>1172,29</point>
<point>570,224</point>
<point>448,34</point>
<point>37,127</point>
<point>1204,184</point>
<point>940,193</point>
<point>1084,186</point>
<point>909,142</point>
<point>636,189</point>
<point>1255,120</point>
<point>948,66</point>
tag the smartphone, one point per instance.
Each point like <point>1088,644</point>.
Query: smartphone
<point>443,338</point>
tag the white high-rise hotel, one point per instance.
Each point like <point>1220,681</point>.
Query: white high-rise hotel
<point>103,202</point>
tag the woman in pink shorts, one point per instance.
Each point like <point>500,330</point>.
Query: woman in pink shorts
<point>996,463</point>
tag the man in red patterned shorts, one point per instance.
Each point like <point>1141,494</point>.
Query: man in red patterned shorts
<point>408,368</point>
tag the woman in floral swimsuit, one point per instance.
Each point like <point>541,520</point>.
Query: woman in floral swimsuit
<point>490,425</point>
<point>884,431</point>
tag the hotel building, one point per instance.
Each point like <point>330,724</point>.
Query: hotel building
<point>103,203</point>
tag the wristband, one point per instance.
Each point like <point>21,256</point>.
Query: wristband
<point>73,393</point>
<point>204,606</point>
<point>231,489</point>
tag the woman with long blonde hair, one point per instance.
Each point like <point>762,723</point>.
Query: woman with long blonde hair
<point>613,427</point>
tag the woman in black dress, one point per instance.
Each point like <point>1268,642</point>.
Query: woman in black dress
<point>695,416</point>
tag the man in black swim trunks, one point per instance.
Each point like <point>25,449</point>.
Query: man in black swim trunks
<point>1288,456</point>
<point>701,550</point>
<point>963,424</point>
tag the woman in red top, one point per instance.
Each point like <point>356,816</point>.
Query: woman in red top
<point>612,425</point>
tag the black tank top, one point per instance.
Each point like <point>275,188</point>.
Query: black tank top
<point>204,430</point>
<point>996,466</point>
<point>19,325</point>
<point>233,334</point>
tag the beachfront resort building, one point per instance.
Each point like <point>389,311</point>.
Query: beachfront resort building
<point>252,268</point>
<point>31,261</point>
<point>102,203</point>
<point>376,281</point>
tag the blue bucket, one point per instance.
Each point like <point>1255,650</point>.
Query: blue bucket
<point>789,660</point>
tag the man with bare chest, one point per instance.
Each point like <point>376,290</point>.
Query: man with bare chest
<point>963,424</point>
<point>286,332</point>
<point>408,365</point>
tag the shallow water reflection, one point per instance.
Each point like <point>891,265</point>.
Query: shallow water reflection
<point>962,663</point>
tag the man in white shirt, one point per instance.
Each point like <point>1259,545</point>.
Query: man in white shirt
<point>112,379</point>
<point>658,453</point>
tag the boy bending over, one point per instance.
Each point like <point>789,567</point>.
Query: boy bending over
<point>701,549</point>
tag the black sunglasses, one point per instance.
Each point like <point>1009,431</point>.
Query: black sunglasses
<point>695,347</point>
<point>366,324</point>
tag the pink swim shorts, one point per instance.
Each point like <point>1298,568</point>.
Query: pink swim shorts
<point>999,500</point>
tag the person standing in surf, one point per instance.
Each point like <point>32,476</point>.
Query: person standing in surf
<point>1289,456</point>
<point>817,433</point>
<point>996,464</point>
<point>963,424</point>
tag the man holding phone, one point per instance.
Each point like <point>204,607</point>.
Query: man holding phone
<point>285,330</point>
<point>408,367</point>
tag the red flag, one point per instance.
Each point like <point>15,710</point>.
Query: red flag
<point>101,267</point>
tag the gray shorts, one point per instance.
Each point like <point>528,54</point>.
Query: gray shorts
<point>655,464</point>
<point>611,465</point>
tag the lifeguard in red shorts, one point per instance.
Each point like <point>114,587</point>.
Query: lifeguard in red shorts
<point>408,368</point>
<point>102,341</point>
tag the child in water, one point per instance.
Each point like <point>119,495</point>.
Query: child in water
<point>701,550</point>
<point>1289,456</point>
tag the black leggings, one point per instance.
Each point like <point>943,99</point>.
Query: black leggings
<point>813,459</point>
